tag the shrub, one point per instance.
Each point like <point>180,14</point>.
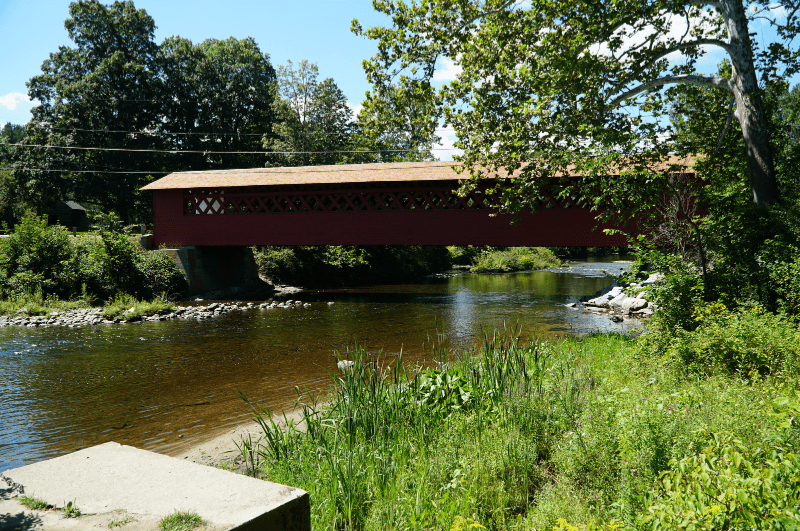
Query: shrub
<point>783,268</point>
<point>679,292</point>
<point>41,263</point>
<point>37,258</point>
<point>340,265</point>
<point>745,341</point>
<point>515,259</point>
<point>158,275</point>
<point>464,254</point>
<point>727,486</point>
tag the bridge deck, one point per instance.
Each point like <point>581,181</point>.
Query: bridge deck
<point>369,204</point>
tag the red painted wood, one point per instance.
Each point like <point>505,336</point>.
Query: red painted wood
<point>567,227</point>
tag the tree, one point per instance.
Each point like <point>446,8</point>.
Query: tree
<point>9,196</point>
<point>400,131</point>
<point>216,96</point>
<point>99,94</point>
<point>10,134</point>
<point>121,110</point>
<point>314,119</point>
<point>578,85</point>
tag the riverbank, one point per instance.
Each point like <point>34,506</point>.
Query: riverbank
<point>162,385</point>
<point>224,451</point>
<point>594,432</point>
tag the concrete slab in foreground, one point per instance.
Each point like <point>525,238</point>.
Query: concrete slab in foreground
<point>113,477</point>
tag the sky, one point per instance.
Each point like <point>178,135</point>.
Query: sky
<point>318,31</point>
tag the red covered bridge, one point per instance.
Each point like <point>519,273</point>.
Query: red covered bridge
<point>411,203</point>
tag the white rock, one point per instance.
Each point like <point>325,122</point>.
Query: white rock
<point>615,303</point>
<point>632,305</point>
<point>599,302</point>
<point>345,365</point>
<point>655,277</point>
<point>615,291</point>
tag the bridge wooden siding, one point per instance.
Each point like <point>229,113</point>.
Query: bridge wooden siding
<point>368,204</point>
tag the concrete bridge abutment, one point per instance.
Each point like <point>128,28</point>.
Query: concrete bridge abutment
<point>215,268</point>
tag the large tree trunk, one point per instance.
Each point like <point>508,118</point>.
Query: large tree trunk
<point>749,109</point>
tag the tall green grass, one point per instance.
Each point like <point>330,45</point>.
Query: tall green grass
<point>36,304</point>
<point>514,259</point>
<point>129,307</point>
<point>573,432</point>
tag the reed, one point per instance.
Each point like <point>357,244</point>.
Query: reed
<point>506,436</point>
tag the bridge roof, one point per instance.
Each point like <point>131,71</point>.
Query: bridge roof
<point>338,174</point>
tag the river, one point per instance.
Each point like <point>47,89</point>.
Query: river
<point>165,386</point>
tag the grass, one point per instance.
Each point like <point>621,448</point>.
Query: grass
<point>31,304</point>
<point>129,307</point>
<point>33,503</point>
<point>121,521</point>
<point>575,433</point>
<point>180,521</point>
<point>70,510</point>
<point>514,259</point>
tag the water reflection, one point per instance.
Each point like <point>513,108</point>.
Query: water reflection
<point>149,383</point>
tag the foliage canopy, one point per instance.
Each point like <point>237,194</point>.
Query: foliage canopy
<point>577,86</point>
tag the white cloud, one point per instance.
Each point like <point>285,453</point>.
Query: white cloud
<point>780,12</point>
<point>449,70</point>
<point>12,100</point>
<point>445,150</point>
<point>677,31</point>
<point>355,108</point>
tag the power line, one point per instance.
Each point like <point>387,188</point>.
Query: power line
<point>28,168</point>
<point>43,125</point>
<point>205,152</point>
<point>289,169</point>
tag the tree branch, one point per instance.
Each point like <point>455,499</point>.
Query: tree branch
<point>703,3</point>
<point>682,46</point>
<point>725,129</point>
<point>691,79</point>
<point>485,13</point>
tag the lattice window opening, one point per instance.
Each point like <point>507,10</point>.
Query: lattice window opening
<point>205,205</point>
<point>333,202</point>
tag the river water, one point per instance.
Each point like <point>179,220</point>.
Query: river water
<point>166,386</point>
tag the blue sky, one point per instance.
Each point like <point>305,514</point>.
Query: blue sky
<point>314,30</point>
<point>317,31</point>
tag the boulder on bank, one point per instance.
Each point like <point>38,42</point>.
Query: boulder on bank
<point>622,301</point>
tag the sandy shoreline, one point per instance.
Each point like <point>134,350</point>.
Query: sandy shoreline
<point>222,450</point>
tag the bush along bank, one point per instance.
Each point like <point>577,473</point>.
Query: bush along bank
<point>348,265</point>
<point>601,432</point>
<point>337,265</point>
<point>44,266</point>
<point>510,259</point>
